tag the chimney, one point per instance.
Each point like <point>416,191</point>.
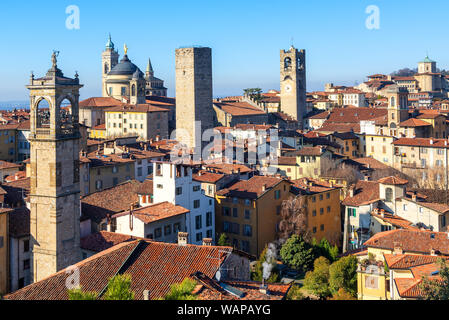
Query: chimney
<point>146,294</point>
<point>366,177</point>
<point>382,213</point>
<point>207,242</point>
<point>431,141</point>
<point>397,248</point>
<point>351,191</point>
<point>264,187</point>
<point>432,252</point>
<point>263,287</point>
<point>414,196</point>
<point>182,238</point>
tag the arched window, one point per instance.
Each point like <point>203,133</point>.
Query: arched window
<point>106,68</point>
<point>133,90</point>
<point>287,63</point>
<point>43,114</point>
<point>65,115</point>
<point>393,101</point>
<point>388,194</point>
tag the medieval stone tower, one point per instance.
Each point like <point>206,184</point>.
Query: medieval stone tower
<point>293,83</point>
<point>397,108</point>
<point>109,59</point>
<point>193,94</point>
<point>54,181</point>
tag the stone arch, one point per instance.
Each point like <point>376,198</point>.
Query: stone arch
<point>393,125</point>
<point>287,78</point>
<point>287,62</point>
<point>66,119</point>
<point>393,101</point>
<point>388,194</point>
<point>43,111</point>
<point>106,68</point>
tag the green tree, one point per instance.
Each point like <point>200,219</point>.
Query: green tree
<point>79,294</point>
<point>343,274</point>
<point>182,291</point>
<point>297,254</point>
<point>325,249</point>
<point>434,289</point>
<point>119,288</point>
<point>342,295</point>
<point>295,293</point>
<point>257,274</point>
<point>254,93</point>
<point>317,281</point>
<point>223,241</point>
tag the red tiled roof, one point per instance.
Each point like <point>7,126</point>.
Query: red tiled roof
<point>100,102</point>
<point>239,108</point>
<point>406,261</point>
<point>155,212</point>
<point>153,266</point>
<point>252,188</point>
<point>392,180</point>
<point>411,241</point>
<point>8,165</point>
<point>422,142</point>
<point>412,122</point>
<point>141,108</point>
<point>100,241</point>
<point>19,222</point>
<point>207,177</point>
<point>365,192</point>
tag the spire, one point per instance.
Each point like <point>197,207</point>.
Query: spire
<point>149,68</point>
<point>110,44</point>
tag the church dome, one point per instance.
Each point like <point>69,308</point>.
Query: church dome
<point>125,67</point>
<point>110,44</point>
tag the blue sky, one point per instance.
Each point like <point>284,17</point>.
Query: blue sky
<point>245,37</point>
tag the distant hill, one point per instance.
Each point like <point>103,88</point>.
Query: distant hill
<point>6,105</point>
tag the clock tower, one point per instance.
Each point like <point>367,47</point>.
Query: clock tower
<point>293,83</point>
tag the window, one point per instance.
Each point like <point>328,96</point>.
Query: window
<point>198,222</point>
<point>388,194</point>
<point>199,237</point>
<point>321,197</point>
<point>209,233</point>
<point>278,210</point>
<point>226,226</point>
<point>443,221</point>
<point>247,214</point>
<point>208,219</point>
<point>160,186</point>
<point>235,200</point>
<point>115,181</point>
<point>178,191</point>
<point>167,230</point>
<point>314,229</point>
<point>277,194</point>
<point>404,207</point>
<point>226,211</point>
<point>176,227</point>
<point>245,246</point>
<point>196,188</point>
<point>26,245</point>
<point>351,212</point>
<point>99,184</point>
<point>321,210</point>
<point>235,228</point>
<point>196,204</point>
<point>322,227</point>
<point>247,230</point>
<point>328,208</point>
<point>328,195</point>
<point>314,213</point>
<point>2,242</point>
<point>313,199</point>
<point>157,233</point>
<point>26,264</point>
<point>235,212</point>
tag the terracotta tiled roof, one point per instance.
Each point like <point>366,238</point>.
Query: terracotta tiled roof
<point>227,168</point>
<point>209,289</point>
<point>412,122</point>
<point>312,186</point>
<point>252,188</point>
<point>100,127</point>
<point>103,240</point>
<point>438,207</point>
<point>393,181</point>
<point>287,161</point>
<point>17,191</point>
<point>8,165</point>
<point>207,177</point>
<point>100,102</point>
<point>155,212</point>
<point>17,176</point>
<point>372,163</point>
<point>365,192</point>
<point>406,261</point>
<point>308,151</point>
<point>153,266</point>
<point>239,108</point>
<point>322,115</point>
<point>141,108</point>
<point>422,142</point>
<point>98,205</point>
<point>394,220</point>
<point>411,241</point>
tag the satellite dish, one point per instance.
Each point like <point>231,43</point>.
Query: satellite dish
<point>218,275</point>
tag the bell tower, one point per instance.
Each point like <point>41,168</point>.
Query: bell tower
<point>54,180</point>
<point>293,83</point>
<point>397,107</point>
<point>109,59</point>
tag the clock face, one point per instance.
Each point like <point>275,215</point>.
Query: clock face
<point>288,88</point>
